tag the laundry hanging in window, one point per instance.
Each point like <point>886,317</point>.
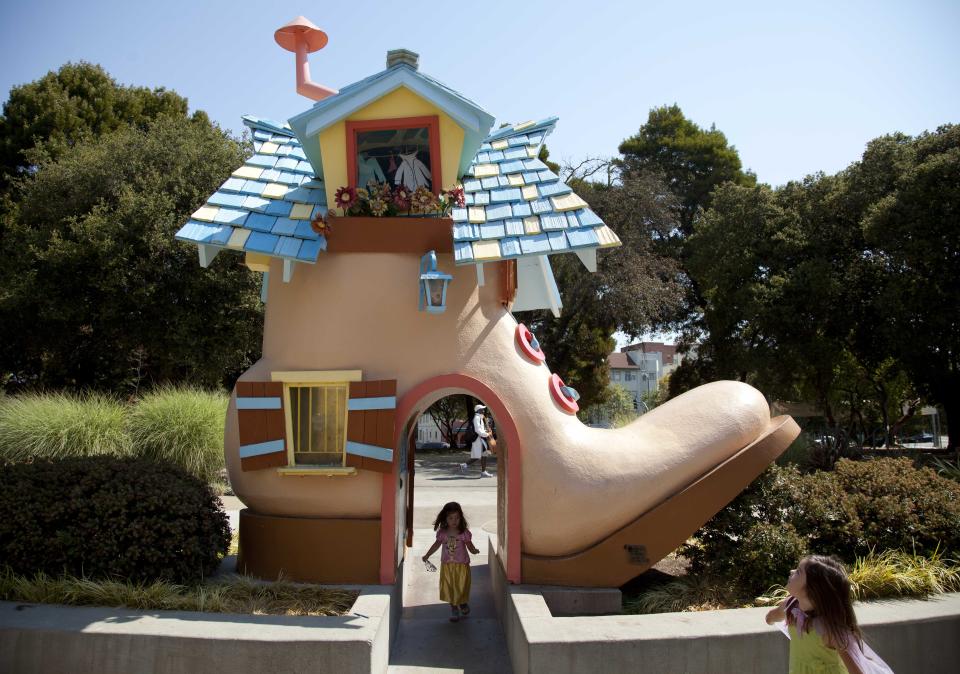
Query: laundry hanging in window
<point>412,173</point>
<point>369,171</point>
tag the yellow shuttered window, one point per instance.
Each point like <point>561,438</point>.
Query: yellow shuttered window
<point>318,416</point>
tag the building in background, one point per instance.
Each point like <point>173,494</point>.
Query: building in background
<point>641,367</point>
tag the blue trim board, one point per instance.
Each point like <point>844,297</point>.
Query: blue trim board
<point>258,404</point>
<point>261,448</point>
<point>370,451</point>
<point>383,403</point>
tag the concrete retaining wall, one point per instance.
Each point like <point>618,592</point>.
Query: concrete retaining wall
<point>912,636</point>
<point>50,639</point>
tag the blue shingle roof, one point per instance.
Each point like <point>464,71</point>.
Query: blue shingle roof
<point>517,206</point>
<point>267,204</point>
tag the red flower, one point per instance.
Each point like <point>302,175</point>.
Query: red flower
<point>320,225</point>
<point>455,195</point>
<point>401,198</point>
<point>346,197</point>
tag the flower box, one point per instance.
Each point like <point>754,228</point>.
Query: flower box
<point>364,234</point>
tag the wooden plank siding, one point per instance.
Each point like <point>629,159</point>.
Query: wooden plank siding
<point>262,425</point>
<point>370,420</point>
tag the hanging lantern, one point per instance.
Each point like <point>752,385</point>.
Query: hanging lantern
<point>433,285</point>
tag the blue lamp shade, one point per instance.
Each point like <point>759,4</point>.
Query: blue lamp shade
<point>433,285</point>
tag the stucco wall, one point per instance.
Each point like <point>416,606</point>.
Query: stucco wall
<point>359,311</point>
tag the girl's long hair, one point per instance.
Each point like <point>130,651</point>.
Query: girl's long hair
<point>828,589</point>
<point>452,507</point>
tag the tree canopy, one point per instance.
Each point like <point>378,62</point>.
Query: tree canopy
<point>838,289</point>
<point>80,101</point>
<point>94,290</point>
<point>692,160</point>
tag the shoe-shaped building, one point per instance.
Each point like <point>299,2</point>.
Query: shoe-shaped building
<point>370,319</point>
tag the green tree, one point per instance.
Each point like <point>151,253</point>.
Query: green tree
<point>448,414</point>
<point>913,248</point>
<point>692,160</point>
<point>94,291</point>
<point>617,410</point>
<point>544,156</point>
<point>79,101</point>
<point>834,290</point>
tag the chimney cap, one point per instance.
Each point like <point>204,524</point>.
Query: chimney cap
<point>300,28</point>
<point>398,56</point>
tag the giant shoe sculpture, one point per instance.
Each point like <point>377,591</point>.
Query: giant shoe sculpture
<point>369,320</point>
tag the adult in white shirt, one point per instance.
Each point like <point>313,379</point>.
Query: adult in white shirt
<point>479,447</point>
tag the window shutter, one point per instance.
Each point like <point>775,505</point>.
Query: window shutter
<point>371,410</point>
<point>263,425</point>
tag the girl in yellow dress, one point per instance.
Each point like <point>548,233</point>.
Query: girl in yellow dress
<point>454,539</point>
<point>821,624</point>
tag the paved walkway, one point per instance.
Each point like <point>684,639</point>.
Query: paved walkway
<point>427,641</point>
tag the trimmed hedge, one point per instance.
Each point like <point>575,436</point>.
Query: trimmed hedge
<point>107,517</point>
<point>880,504</point>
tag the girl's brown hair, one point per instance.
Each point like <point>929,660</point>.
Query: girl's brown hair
<point>452,507</point>
<point>828,589</point>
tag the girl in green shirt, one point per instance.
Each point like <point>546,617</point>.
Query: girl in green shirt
<point>821,624</point>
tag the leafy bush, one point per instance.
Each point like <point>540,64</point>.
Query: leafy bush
<point>183,426</point>
<point>102,517</point>
<point>58,425</point>
<point>883,504</point>
<point>767,553</point>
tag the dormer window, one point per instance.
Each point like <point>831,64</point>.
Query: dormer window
<point>400,152</point>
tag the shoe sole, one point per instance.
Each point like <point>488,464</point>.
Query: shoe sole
<point>634,548</point>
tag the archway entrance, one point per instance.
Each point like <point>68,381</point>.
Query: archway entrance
<point>398,495</point>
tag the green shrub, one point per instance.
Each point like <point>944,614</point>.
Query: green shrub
<point>882,504</point>
<point>183,426</point>
<point>58,425</point>
<point>900,507</point>
<point>766,554</point>
<point>106,517</point>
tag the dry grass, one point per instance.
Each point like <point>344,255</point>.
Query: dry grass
<point>889,574</point>
<point>238,595</point>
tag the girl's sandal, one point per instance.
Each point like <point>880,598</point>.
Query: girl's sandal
<point>465,609</point>
<point>454,614</point>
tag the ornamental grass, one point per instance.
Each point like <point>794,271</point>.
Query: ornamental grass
<point>60,425</point>
<point>181,425</point>
<point>235,595</point>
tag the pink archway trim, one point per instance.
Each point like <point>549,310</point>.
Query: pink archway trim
<point>506,427</point>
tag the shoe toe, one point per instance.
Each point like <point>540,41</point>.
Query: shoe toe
<point>614,476</point>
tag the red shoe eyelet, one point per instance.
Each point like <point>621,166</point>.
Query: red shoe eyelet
<point>567,403</point>
<point>529,345</point>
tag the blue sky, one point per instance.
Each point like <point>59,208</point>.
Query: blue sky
<point>796,89</point>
